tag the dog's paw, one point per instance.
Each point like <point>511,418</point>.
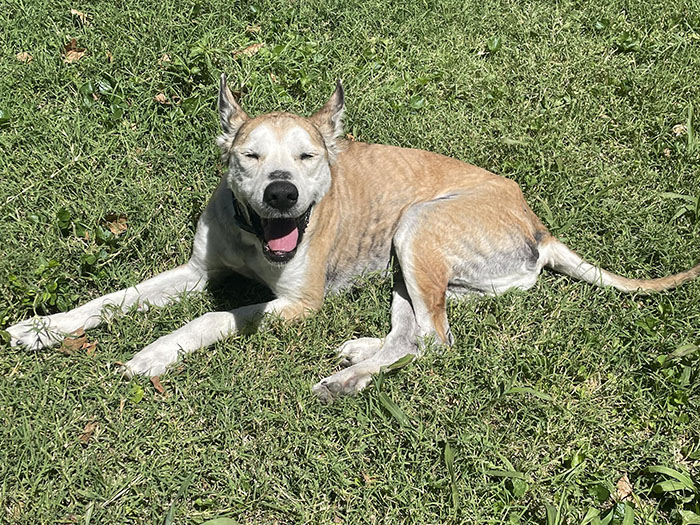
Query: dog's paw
<point>344,383</point>
<point>151,361</point>
<point>357,350</point>
<point>35,334</point>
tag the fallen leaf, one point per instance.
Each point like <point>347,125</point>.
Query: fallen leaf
<point>667,152</point>
<point>82,17</point>
<point>73,56</point>
<point>77,341</point>
<point>250,50</point>
<point>157,385</point>
<point>623,488</point>
<point>24,57</point>
<point>252,29</point>
<point>89,348</point>
<point>87,431</point>
<point>161,98</point>
<point>164,58</point>
<point>73,52</point>
<point>73,341</point>
<point>116,223</point>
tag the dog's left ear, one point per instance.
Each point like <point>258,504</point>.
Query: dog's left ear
<point>231,114</point>
<point>329,119</point>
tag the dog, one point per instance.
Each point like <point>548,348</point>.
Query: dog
<point>306,212</point>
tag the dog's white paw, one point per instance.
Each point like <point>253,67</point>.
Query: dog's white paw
<point>152,360</point>
<point>357,350</point>
<point>344,383</point>
<point>35,334</point>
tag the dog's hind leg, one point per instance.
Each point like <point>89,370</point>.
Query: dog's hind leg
<point>417,311</point>
<point>357,350</point>
<point>42,332</point>
<point>460,243</point>
<point>374,353</point>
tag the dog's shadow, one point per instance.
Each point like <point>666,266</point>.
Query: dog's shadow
<point>231,290</point>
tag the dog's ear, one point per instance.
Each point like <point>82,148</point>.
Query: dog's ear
<point>329,119</point>
<point>231,114</point>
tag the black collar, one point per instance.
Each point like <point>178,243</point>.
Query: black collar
<point>252,225</point>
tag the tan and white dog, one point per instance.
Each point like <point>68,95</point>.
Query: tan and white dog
<point>305,213</point>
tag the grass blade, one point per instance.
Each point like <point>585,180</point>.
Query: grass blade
<point>505,461</point>
<point>528,390</point>
<point>682,478</point>
<point>506,474</point>
<point>592,517</point>
<point>449,461</point>
<point>691,130</point>
<point>628,519</point>
<point>552,515</point>
<point>88,512</point>
<point>608,518</point>
<point>671,195</point>
<point>393,409</point>
<point>683,351</point>
<point>668,486</point>
<point>405,360</point>
<point>689,517</point>
<point>181,491</point>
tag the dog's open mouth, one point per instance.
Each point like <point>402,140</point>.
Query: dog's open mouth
<point>281,237</point>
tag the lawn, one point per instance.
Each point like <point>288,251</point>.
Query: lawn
<point>565,404</point>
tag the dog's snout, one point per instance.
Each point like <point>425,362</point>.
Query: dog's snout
<point>281,195</point>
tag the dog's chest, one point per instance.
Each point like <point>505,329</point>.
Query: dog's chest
<point>286,280</point>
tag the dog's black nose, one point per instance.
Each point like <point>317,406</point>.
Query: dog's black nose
<point>281,195</point>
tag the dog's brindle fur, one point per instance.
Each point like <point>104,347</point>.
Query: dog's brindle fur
<point>455,229</point>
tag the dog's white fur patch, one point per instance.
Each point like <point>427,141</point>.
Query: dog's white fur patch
<point>278,149</point>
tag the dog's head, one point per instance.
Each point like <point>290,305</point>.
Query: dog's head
<point>278,168</point>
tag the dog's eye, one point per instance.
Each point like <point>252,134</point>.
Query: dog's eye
<point>251,155</point>
<point>306,156</point>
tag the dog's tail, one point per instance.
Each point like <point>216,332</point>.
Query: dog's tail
<point>560,258</point>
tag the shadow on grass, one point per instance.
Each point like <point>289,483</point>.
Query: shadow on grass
<point>230,291</point>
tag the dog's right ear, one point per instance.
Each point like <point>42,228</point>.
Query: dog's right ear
<point>329,119</point>
<point>231,114</point>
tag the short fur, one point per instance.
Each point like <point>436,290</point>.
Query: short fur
<point>455,230</point>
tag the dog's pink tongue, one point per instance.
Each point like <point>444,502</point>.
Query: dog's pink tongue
<point>281,235</point>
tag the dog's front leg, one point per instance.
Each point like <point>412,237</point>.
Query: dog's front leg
<point>42,332</point>
<point>206,330</point>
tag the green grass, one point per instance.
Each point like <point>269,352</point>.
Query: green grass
<point>547,398</point>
